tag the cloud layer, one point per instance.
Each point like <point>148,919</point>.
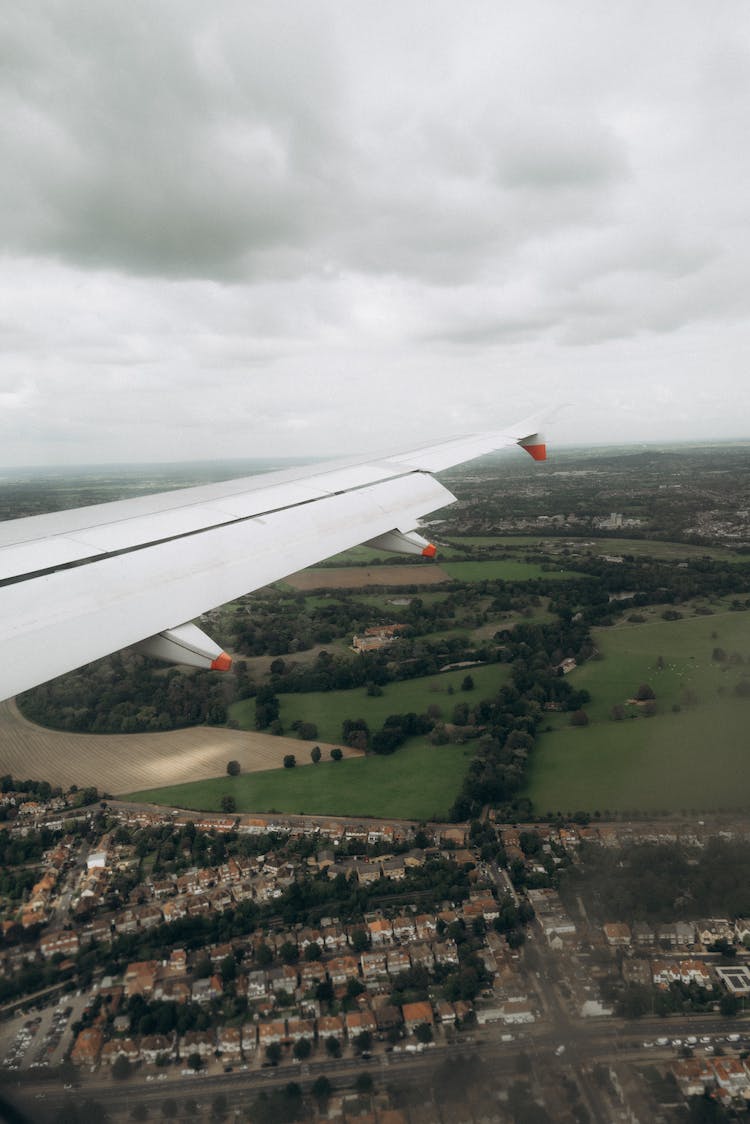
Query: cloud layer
<point>317,227</point>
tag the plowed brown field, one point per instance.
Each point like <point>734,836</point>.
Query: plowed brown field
<point>355,577</point>
<point>119,763</point>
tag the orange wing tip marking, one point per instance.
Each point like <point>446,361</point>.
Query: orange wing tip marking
<point>429,551</point>
<point>222,663</point>
<point>538,452</point>
<point>534,446</point>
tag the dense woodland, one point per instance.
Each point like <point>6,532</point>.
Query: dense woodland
<point>662,882</point>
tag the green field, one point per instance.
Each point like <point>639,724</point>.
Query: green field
<point>697,758</point>
<point>652,548</point>
<point>418,782</point>
<point>328,709</point>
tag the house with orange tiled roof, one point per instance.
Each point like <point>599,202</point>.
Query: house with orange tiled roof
<point>119,1047</point>
<point>272,1031</point>
<point>693,1076</point>
<point>617,934</point>
<point>62,942</point>
<point>373,964</point>
<point>174,989</point>
<point>426,926</point>
<point>330,1026</point>
<point>731,1075</point>
<point>341,968</point>
<point>155,1046</point>
<point>229,1043</point>
<point>398,960</point>
<point>175,908</point>
<point>201,1042</point>
<point>445,952</point>
<point>87,1046</point>
<point>417,1014</point>
<point>140,977</point>
<point>357,1022</point>
<point>380,930</point>
<point>300,1028</point>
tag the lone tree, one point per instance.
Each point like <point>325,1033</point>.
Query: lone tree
<point>315,754</point>
<point>336,754</point>
<point>228,804</point>
<point>645,692</point>
<point>233,768</point>
<point>302,1049</point>
<point>579,718</point>
<point>121,1068</point>
<point>289,761</point>
<point>468,683</point>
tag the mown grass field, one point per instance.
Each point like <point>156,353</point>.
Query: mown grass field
<point>419,782</point>
<point>694,758</point>
<point>329,709</point>
<point>653,548</point>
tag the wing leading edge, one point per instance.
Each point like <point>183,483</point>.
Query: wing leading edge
<point>77,585</point>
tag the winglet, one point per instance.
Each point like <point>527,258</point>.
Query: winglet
<point>221,663</point>
<point>429,551</point>
<point>534,445</point>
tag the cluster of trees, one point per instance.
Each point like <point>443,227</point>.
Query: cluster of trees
<point>662,882</point>
<point>125,694</point>
<point>279,623</point>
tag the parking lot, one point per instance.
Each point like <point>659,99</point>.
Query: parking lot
<point>40,1038</point>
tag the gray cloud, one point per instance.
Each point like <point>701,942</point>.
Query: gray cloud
<point>264,223</point>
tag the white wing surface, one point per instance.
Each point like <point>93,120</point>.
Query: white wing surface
<point>79,584</point>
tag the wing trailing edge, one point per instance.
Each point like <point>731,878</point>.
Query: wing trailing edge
<point>78,585</point>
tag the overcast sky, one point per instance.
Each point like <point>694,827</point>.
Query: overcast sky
<point>238,229</point>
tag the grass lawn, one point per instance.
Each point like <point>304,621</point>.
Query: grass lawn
<point>328,709</point>
<point>697,758</point>
<point>419,782</point>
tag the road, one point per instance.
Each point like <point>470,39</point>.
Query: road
<point>587,1043</point>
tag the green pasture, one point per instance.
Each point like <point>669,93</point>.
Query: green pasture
<point>652,548</point>
<point>507,571</point>
<point>500,541</point>
<point>328,709</point>
<point>418,782</point>
<point>697,760</point>
<point>694,757</point>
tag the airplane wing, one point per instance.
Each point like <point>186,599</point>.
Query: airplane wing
<point>80,584</point>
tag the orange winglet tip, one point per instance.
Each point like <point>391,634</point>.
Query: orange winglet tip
<point>429,551</point>
<point>221,663</point>
<point>538,452</point>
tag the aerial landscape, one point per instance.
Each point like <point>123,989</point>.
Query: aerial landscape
<point>375,562</point>
<point>447,843</point>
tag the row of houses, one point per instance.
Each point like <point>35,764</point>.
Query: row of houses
<point>725,1079</point>
<point>678,934</point>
